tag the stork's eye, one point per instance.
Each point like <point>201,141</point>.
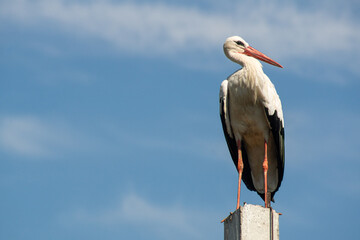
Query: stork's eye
<point>240,43</point>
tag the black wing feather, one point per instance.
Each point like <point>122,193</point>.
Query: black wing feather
<point>278,133</point>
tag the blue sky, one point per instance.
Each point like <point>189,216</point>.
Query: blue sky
<point>109,123</point>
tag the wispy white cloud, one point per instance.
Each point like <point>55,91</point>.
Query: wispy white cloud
<point>31,136</point>
<point>139,27</point>
<point>167,221</point>
<point>42,137</point>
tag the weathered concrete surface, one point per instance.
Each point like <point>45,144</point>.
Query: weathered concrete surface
<point>252,222</point>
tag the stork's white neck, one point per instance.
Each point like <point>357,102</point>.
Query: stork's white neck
<point>250,77</point>
<point>244,60</point>
<point>252,68</point>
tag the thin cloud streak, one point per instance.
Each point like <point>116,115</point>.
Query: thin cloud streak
<point>25,136</point>
<point>34,137</point>
<point>165,29</point>
<point>166,221</point>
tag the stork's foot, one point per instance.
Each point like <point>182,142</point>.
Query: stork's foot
<point>226,217</point>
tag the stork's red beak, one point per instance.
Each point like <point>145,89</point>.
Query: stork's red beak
<point>252,52</point>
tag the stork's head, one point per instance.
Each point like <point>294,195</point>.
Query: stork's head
<point>236,48</point>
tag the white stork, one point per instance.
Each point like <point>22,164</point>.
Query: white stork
<point>252,121</point>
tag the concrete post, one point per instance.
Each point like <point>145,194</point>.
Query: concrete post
<point>252,222</point>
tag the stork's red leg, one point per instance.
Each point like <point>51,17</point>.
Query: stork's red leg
<point>266,167</point>
<point>240,167</point>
